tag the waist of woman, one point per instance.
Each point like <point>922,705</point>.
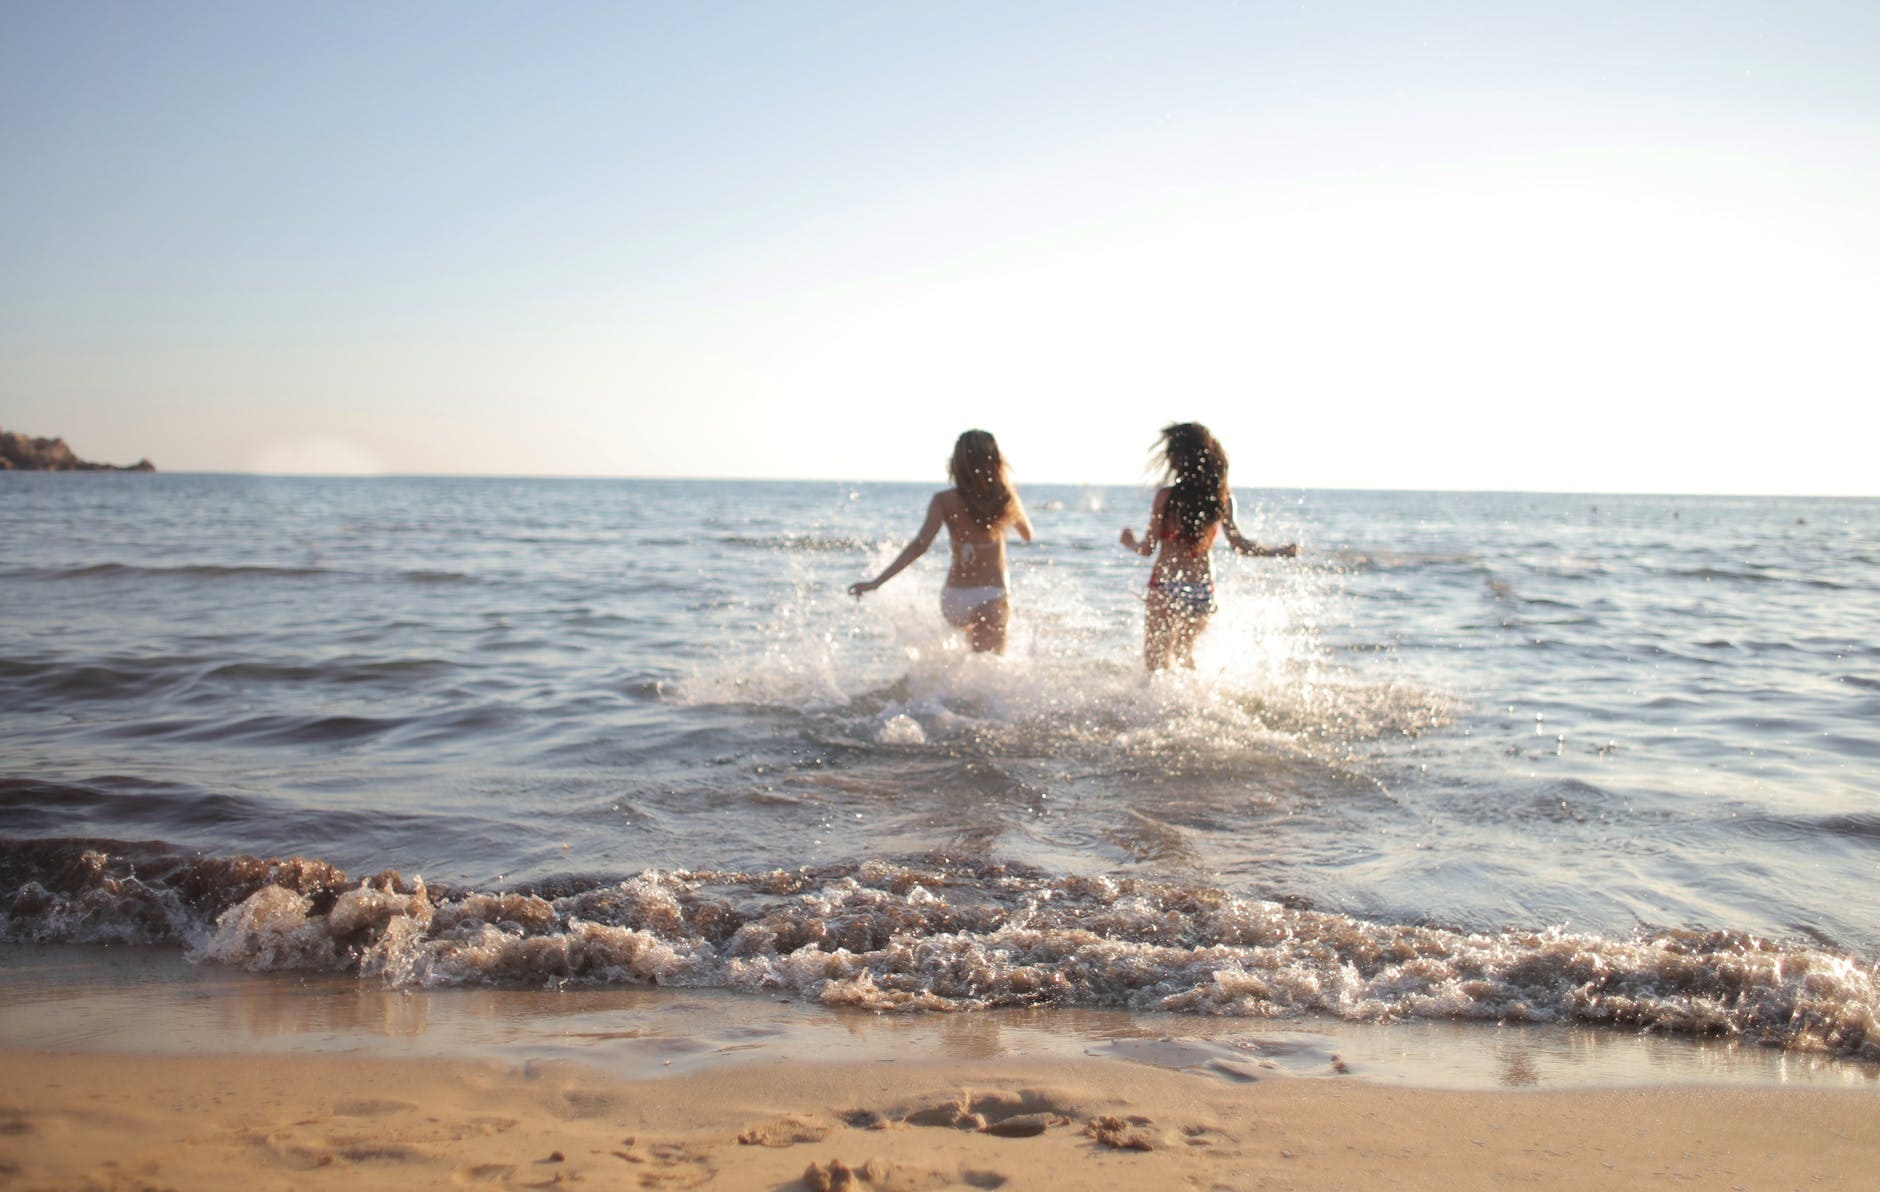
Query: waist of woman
<point>1181,585</point>
<point>986,574</point>
<point>1194,597</point>
<point>990,591</point>
<point>958,603</point>
<point>1181,571</point>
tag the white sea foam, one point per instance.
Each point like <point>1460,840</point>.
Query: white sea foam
<point>888,936</point>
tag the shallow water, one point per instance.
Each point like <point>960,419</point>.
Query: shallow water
<point>147,999</point>
<point>1509,758</point>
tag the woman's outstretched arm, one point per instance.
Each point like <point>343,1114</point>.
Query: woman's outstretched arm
<point>1247,546</point>
<point>1020,521</point>
<point>1146,545</point>
<point>910,552</point>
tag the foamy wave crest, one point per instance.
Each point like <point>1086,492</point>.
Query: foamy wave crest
<point>938,936</point>
<point>114,892</point>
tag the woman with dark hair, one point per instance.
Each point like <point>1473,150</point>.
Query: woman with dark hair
<point>1183,519</point>
<point>976,511</point>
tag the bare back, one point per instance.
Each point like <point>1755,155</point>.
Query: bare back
<point>1178,560</point>
<point>978,551</point>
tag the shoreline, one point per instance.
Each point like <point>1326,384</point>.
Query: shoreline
<point>130,1067</point>
<point>150,1000</point>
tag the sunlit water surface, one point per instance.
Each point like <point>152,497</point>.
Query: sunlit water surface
<point>1555,760</point>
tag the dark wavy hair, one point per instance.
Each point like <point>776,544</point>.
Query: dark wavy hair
<point>1196,466</point>
<point>978,471</point>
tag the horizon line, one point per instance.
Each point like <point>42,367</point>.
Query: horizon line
<point>1142,485</point>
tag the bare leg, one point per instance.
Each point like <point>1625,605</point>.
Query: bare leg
<point>1187,629</point>
<point>1158,632</point>
<point>985,630</point>
<point>1169,632</point>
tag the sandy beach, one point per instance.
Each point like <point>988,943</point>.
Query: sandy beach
<point>308,1121</point>
<point>131,1068</point>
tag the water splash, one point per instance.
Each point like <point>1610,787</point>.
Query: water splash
<point>888,671</point>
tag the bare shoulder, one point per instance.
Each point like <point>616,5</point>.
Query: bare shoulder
<point>947,506</point>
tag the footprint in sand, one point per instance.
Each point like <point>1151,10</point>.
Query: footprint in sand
<point>783,1132</point>
<point>672,1165</point>
<point>371,1108</point>
<point>479,1127</point>
<point>1023,1114</point>
<point>483,1173</point>
<point>877,1176</point>
<point>1124,1134</point>
<point>366,1150</point>
<point>580,1103</point>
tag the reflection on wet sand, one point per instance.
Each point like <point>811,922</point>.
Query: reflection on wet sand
<point>151,1000</point>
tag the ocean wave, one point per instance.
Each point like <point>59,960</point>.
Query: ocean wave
<point>220,571</point>
<point>1387,560</point>
<point>796,543</point>
<point>33,804</point>
<point>101,678</point>
<point>338,670</point>
<point>199,570</point>
<point>1854,826</point>
<point>1753,575</point>
<point>935,935</point>
<point>197,678</point>
<point>1866,827</point>
<point>259,730</point>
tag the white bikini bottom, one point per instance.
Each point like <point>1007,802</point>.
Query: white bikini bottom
<point>958,605</point>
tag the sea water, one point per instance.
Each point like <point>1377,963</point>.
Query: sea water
<point>1569,762</point>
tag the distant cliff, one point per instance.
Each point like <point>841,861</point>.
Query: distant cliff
<point>19,453</point>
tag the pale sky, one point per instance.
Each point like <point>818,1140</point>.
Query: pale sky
<point>1629,246</point>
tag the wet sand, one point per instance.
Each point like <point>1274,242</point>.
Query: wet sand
<point>311,1120</point>
<point>129,1068</point>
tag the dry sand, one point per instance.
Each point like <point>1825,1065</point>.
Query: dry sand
<point>303,1120</point>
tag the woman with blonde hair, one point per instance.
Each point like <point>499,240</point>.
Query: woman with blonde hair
<point>976,511</point>
<point>1183,519</point>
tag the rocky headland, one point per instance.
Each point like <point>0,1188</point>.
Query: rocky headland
<point>22,453</point>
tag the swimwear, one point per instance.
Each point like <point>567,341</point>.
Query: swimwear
<point>958,605</point>
<point>1194,599</point>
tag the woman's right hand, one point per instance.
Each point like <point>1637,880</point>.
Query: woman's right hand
<point>867,585</point>
<point>1129,538</point>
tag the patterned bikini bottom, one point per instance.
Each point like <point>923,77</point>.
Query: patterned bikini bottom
<point>1191,599</point>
